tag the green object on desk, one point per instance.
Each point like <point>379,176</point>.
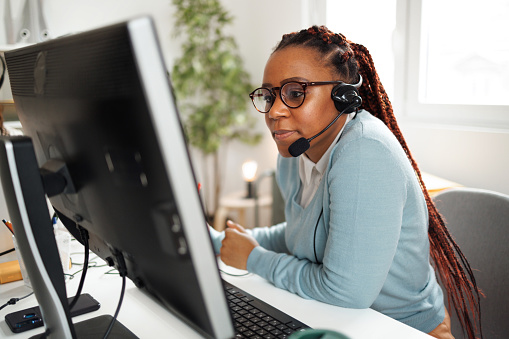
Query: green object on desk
<point>317,334</point>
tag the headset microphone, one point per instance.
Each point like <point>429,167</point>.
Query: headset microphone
<point>346,99</point>
<point>302,145</point>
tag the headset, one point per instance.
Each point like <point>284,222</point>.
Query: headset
<point>346,96</point>
<point>347,100</point>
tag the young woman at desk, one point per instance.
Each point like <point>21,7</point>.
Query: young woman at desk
<point>359,222</point>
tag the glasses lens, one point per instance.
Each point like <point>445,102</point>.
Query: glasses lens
<point>262,99</point>
<point>292,94</point>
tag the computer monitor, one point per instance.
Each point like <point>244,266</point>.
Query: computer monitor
<point>99,109</point>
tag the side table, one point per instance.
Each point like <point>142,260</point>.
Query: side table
<point>237,202</point>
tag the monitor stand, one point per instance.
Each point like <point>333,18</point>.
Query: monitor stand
<point>26,201</point>
<point>96,328</point>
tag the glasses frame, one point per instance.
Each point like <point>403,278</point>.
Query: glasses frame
<point>304,85</point>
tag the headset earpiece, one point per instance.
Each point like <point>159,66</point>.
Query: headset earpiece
<point>346,98</point>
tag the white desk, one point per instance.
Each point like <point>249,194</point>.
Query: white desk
<point>148,319</point>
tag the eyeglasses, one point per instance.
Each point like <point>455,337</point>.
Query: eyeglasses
<point>292,94</point>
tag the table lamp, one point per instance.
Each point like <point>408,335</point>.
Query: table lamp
<point>249,174</point>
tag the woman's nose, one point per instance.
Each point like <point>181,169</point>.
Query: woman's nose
<point>278,109</point>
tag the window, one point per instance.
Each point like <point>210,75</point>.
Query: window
<point>441,61</point>
<point>466,45</point>
<point>454,62</point>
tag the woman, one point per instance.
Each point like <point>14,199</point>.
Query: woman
<point>360,225</point>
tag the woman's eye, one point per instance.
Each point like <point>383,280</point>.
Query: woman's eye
<point>294,94</point>
<point>267,98</point>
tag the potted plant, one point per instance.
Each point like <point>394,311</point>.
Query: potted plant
<point>211,85</point>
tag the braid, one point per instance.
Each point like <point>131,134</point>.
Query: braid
<point>451,264</point>
<point>348,60</point>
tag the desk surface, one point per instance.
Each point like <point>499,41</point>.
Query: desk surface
<point>148,319</point>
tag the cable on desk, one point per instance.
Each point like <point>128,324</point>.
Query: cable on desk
<point>91,264</point>
<point>235,275</point>
<point>113,271</point>
<point>6,252</point>
<point>110,327</point>
<point>84,237</point>
<point>13,301</point>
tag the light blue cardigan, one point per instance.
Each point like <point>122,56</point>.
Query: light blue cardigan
<point>371,239</point>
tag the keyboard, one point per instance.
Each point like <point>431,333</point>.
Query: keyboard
<point>254,318</point>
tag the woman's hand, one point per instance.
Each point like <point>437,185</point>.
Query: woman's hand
<point>236,246</point>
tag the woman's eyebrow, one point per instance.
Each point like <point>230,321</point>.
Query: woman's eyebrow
<point>284,81</point>
<point>293,79</point>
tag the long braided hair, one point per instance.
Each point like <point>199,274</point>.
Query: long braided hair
<point>348,60</point>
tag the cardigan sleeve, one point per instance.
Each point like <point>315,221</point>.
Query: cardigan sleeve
<point>367,189</point>
<point>271,238</point>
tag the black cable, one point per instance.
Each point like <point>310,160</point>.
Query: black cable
<point>314,237</point>
<point>316,226</point>
<point>84,237</point>
<point>13,301</point>
<point>110,327</point>
<point>4,68</point>
<point>6,252</point>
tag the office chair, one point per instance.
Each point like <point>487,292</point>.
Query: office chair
<point>479,222</point>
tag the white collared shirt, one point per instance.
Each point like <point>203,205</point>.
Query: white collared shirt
<point>311,173</point>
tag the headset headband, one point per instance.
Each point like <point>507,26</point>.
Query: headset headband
<point>358,84</point>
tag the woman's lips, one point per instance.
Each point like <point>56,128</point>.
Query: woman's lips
<point>282,134</point>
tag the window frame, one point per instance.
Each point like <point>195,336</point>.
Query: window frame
<point>408,45</point>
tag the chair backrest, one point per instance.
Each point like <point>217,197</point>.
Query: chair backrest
<point>479,222</point>
<point>278,204</point>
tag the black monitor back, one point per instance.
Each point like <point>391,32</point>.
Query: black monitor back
<point>101,103</point>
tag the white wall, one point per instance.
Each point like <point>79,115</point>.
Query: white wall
<point>474,157</point>
<point>257,29</point>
